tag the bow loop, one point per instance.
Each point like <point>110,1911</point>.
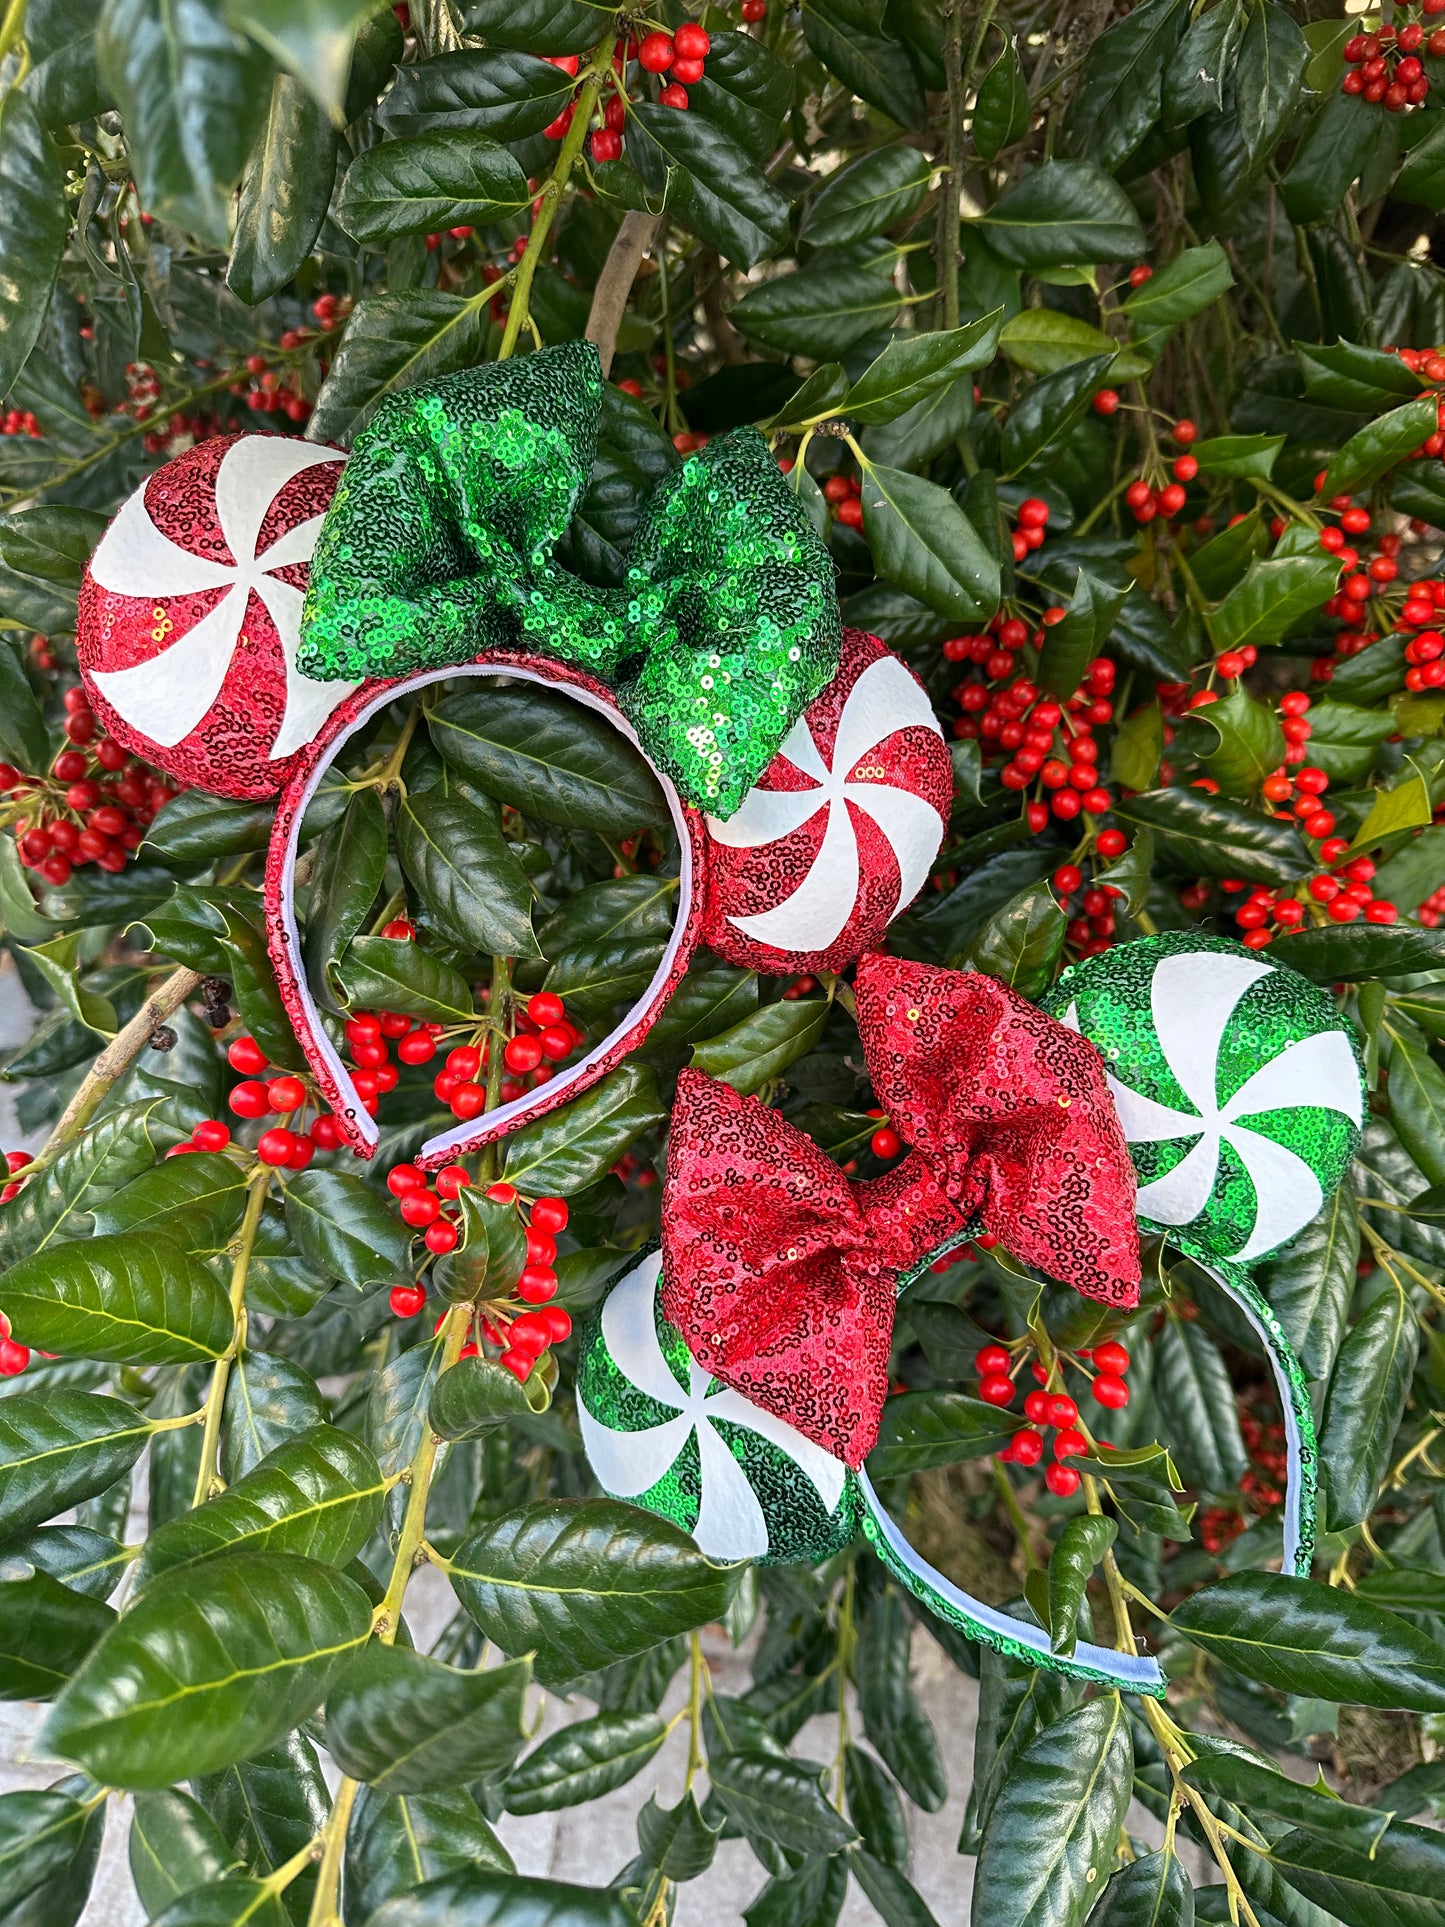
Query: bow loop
<point>781,1273</point>
<point>441,542</point>
<point>1013,1118</point>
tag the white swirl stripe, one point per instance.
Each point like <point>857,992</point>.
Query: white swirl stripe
<point>730,1523</point>
<point>166,696</point>
<point>884,700</point>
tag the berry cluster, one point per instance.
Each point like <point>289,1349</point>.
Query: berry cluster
<point>1431,913</point>
<point>544,1038</point>
<point>1052,1410</point>
<point>1040,739</point>
<point>1146,502</point>
<point>1091,926</point>
<point>94,807</point>
<point>16,421</point>
<point>844,496</point>
<point>1339,895</point>
<point>521,1326</point>
<point>1385,67</point>
<point>1032,525</point>
<point>682,54</point>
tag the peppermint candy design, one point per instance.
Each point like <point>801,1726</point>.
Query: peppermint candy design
<point>661,1431</point>
<point>190,613</point>
<point>1236,1082</point>
<point>839,836</point>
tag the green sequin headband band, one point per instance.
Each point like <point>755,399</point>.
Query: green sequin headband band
<point>442,541</point>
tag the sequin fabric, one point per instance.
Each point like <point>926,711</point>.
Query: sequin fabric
<point>225,751</point>
<point>440,545</point>
<point>1011,1113</point>
<point>800,1526</point>
<point>781,1273</point>
<point>1272,1032</point>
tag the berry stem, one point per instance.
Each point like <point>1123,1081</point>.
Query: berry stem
<point>498,1010</point>
<point>109,1067</point>
<point>206,1478</point>
<point>1016,1516</point>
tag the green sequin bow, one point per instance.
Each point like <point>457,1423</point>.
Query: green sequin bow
<point>440,543</point>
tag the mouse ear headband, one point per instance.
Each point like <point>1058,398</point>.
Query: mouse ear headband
<point>260,600</point>
<point>736,1379</point>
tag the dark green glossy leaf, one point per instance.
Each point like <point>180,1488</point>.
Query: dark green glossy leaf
<point>395,1842</point>
<point>87,1561</point>
<point>490,1257</point>
<point>549,756</point>
<point>137,1297</point>
<point>1064,212</point>
<point>392,341</point>
<point>1021,944</point>
<point>874,1808</point>
<point>269,1399</point>
<point>396,1406</point>
<point>911,368</point>
<point>113,1151</point>
<point>476,1898</point>
<point>583,1761</point>
<point>45,1632</point>
<point>817,311</point>
<point>33,238</point>
<point>1054,1824</point>
<point>40,1833</point>
<point>558,26</point>
<point>348,867</point>
<point>1001,110</point>
<point>268,1807</point>
<point>869,65</point>
<point>678,1841</point>
<point>237,1902</point>
<point>1152,1891</point>
<point>471,886</point>
<point>1184,287</point>
<point>1399,1885</point>
<point>1258,1788</point>
<point>405,1723</point>
<point>1211,836</point>
<point>391,973</point>
<point>314,42</point>
<point>1310,1283</point>
<point>812,1897</point>
<point>196,826</point>
<point>781,1800</point>
<point>584,1582</point>
<point>1247,741</point>
<point>1047,411</point>
<point>58,1448</point>
<point>764,1044</point>
<point>1349,953</point>
<point>866,197</point>
<point>1080,1547</point>
<point>1366,1402</point>
<point>192,94</point>
<point>574,1146</point>
<point>343,1228</point>
<point>504,95</point>
<point>923,542</point>
<point>246,1644</point>
<point>1320,1641</point>
<point>285,192</point>
<point>1376,448</point>
<point>175,1845</point>
<point>746,89</point>
<point>1192,1383</point>
<point>1277,593</point>
<point>195,1200</point>
<point>927,1428</point>
<point>710,182</point>
<point>1267,75</point>
<point>320,1495</point>
<point>426,182</point>
<point>1416,1090</point>
<point>1118,96</point>
<point>1070,645</point>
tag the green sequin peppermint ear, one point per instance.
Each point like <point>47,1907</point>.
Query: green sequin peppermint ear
<point>440,543</point>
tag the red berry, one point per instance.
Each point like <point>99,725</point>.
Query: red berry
<point>502,1192</point>
<point>402,1178</point>
<point>417,1047</point>
<point>689,72</point>
<point>249,1099</point>
<point>519,1364</point>
<point>285,1094</point>
<point>1111,1391</point>
<point>325,1135</point>
<point>606,146</point>
<point>529,1333</point>
<point>754,10</point>
<point>692,41</point>
<point>1036,1408</point>
<point>452,1179</point>
<point>277,1146</point>
<point>244,1054</point>
<point>1062,1410</point>
<point>468,1101</point>
<point>996,1390</point>
<point>13,1358</point>
<point>1106,402</point>
<point>992,1360</point>
<point>407,1300</point>
<point>302,1153</point>
<point>1111,1357</point>
<point>675,96</point>
<point>556,1042</point>
<point>523,1053</point>
<point>464,1061</point>
<point>541,1246</point>
<point>1062,1480</point>
<point>886,1143</point>
<point>559,1322</point>
<point>420,1207</point>
<point>1069,1444</point>
<point>440,1236</point>
<point>211,1135</point>
<point>655,54</point>
<point>1027,1448</point>
<point>550,1214</point>
<point>537,1283</point>
<point>545,1008</point>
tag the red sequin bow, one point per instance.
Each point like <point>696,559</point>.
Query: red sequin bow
<point>781,1273</point>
